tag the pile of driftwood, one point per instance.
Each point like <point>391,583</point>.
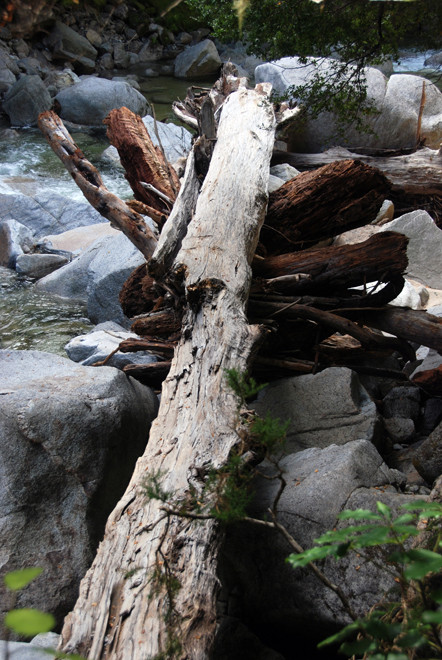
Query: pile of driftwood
<point>231,281</point>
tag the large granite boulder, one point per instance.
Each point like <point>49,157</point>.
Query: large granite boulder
<point>198,61</point>
<point>25,99</point>
<point>89,101</point>
<point>258,584</point>
<point>13,238</point>
<point>424,247</point>
<point>69,439</point>
<point>47,213</point>
<point>397,100</point>
<point>96,278</point>
<point>69,46</point>
<point>328,408</point>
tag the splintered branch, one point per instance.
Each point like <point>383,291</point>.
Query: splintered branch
<point>88,179</point>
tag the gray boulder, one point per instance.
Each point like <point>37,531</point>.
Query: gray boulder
<point>176,140</point>
<point>424,246</point>
<point>96,278</point>
<point>69,46</point>
<point>13,238</point>
<point>25,99</point>
<point>198,61</point>
<point>89,101</point>
<point>328,408</point>
<point>100,343</point>
<point>69,439</point>
<point>55,81</point>
<point>397,99</point>
<point>47,213</point>
<point>39,265</point>
<point>428,456</point>
<point>321,483</point>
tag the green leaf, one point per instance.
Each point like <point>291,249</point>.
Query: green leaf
<point>432,617</point>
<point>423,562</point>
<point>359,647</point>
<point>384,510</point>
<point>380,629</point>
<point>412,639</point>
<point>376,536</point>
<point>404,518</point>
<point>436,595</point>
<point>29,622</point>
<point>341,635</point>
<point>313,554</point>
<point>16,580</point>
<point>359,514</point>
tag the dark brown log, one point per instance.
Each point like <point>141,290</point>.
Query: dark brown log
<point>430,381</point>
<point>144,163</point>
<point>138,294</point>
<point>135,345</point>
<point>88,179</point>
<point>415,326</point>
<point>416,173</point>
<point>332,269</point>
<point>149,374</point>
<point>335,323</point>
<point>164,323</point>
<point>321,204</point>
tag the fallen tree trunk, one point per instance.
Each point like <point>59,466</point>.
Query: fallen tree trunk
<point>418,172</point>
<point>336,268</point>
<point>321,204</point>
<point>88,179</point>
<point>126,608</point>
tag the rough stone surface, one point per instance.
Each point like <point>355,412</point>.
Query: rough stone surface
<point>428,457</point>
<point>69,437</point>
<point>424,246</point>
<point>398,100</point>
<point>414,297</point>
<point>96,277</point>
<point>68,45</point>
<point>13,237</point>
<point>78,239</point>
<point>400,429</point>
<point>89,101</point>
<point>47,213</point>
<point>98,344</point>
<point>58,80</point>
<point>39,265</point>
<point>284,171</point>
<point>328,408</point>
<point>198,61</point>
<point>320,484</point>
<point>402,401</point>
<point>176,140</point>
<point>25,99</point>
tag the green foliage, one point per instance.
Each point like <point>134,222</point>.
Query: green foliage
<point>393,630</point>
<point>269,432</point>
<point>244,387</point>
<point>29,622</point>
<point>16,580</point>
<point>356,34</point>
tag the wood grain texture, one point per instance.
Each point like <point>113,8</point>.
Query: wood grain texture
<point>119,617</point>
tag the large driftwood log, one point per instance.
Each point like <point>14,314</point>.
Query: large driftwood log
<point>323,203</point>
<point>88,179</point>
<point>121,613</point>
<point>150,176</point>
<point>418,172</point>
<point>336,268</point>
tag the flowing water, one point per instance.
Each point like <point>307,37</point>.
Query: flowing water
<point>28,165</point>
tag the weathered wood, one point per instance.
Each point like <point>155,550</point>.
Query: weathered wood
<point>144,163</point>
<point>119,614</point>
<point>336,268</point>
<point>414,326</point>
<point>152,375</point>
<point>163,323</point>
<point>88,179</point>
<point>418,172</point>
<point>321,204</point>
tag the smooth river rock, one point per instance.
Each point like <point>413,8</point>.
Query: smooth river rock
<point>69,439</point>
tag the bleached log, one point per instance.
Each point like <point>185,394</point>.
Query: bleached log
<point>118,614</point>
<point>419,172</point>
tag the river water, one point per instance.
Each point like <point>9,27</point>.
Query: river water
<point>28,165</point>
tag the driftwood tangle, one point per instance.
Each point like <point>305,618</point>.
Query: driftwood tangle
<point>116,617</point>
